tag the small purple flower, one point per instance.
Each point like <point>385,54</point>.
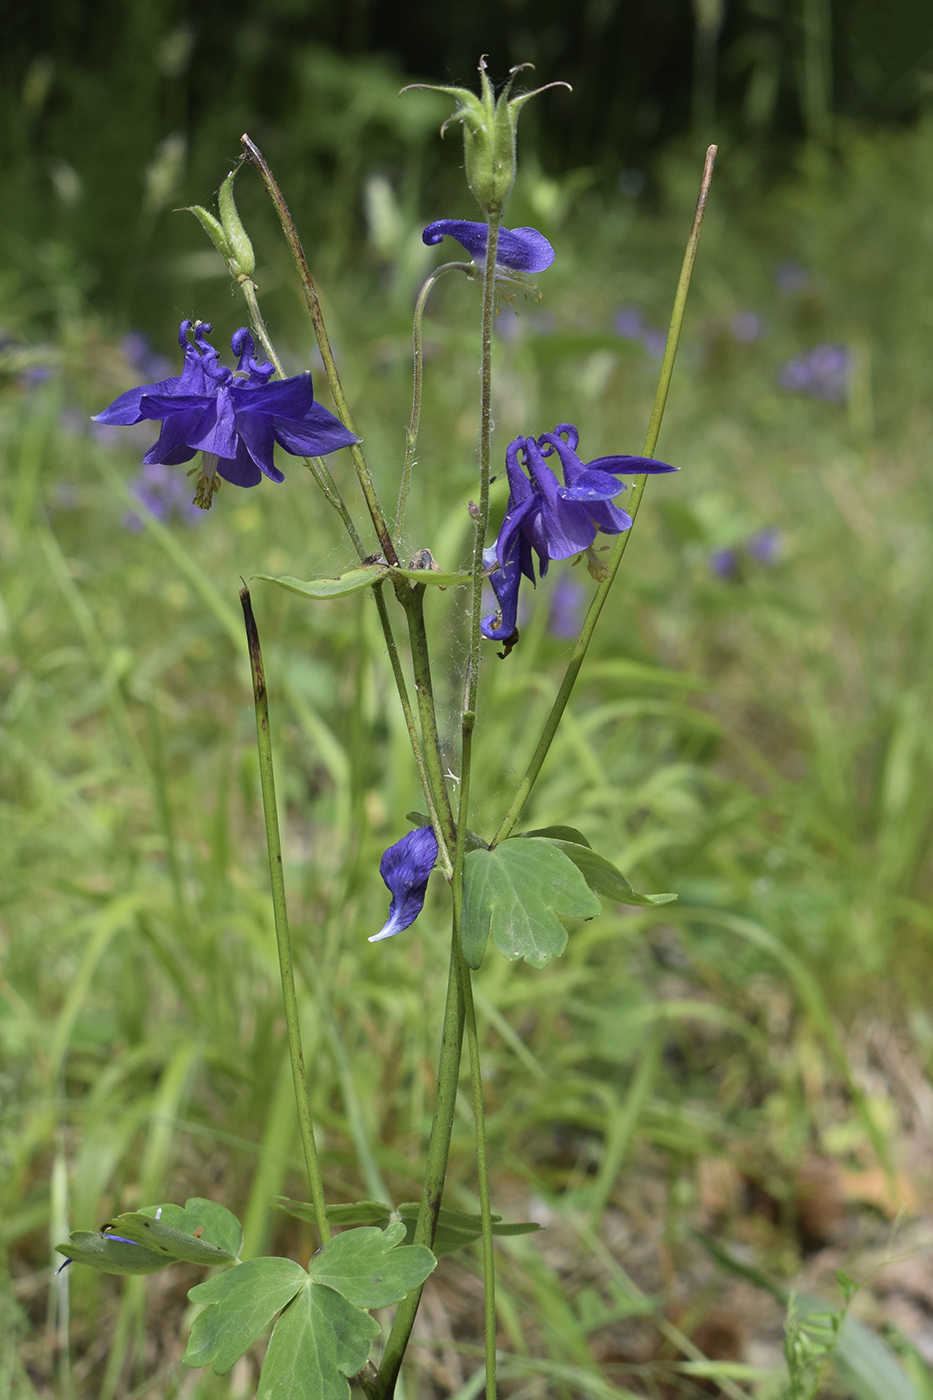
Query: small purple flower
<point>405,867</point>
<point>822,373</point>
<point>765,545</point>
<point>629,323</point>
<point>724,563</point>
<point>233,417</point>
<point>164,494</point>
<point>521,249</point>
<point>552,520</point>
<point>745,327</point>
<point>791,278</point>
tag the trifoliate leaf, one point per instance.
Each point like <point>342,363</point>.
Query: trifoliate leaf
<point>372,1268</point>
<point>241,1302</point>
<point>518,890</point>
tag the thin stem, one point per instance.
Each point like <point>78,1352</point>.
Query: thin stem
<point>432,1190</point>
<point>282,938</point>
<point>440,830</point>
<point>482,1172</point>
<point>316,465</point>
<point>411,437</point>
<point>412,600</point>
<point>638,490</point>
<point>327,355</point>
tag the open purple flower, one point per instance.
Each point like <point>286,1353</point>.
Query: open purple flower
<point>521,249</point>
<point>552,520</point>
<point>405,867</point>
<point>233,417</point>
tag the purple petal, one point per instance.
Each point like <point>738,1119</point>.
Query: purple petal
<point>405,867</point>
<point>523,249</point>
<point>290,398</point>
<point>173,445</point>
<point>630,466</point>
<point>568,527</point>
<point>318,433</point>
<point>591,486</point>
<point>217,430</point>
<point>256,436</point>
<point>241,470</point>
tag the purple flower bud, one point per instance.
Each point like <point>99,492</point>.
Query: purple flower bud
<point>405,867</point>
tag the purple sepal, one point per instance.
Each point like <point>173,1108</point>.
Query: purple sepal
<point>405,867</point>
<point>522,249</point>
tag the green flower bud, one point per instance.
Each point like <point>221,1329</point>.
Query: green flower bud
<point>489,132</point>
<point>227,234</point>
<point>242,258</point>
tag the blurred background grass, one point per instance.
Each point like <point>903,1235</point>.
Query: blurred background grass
<point>751,730</point>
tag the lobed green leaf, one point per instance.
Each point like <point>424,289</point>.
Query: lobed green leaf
<point>169,1230</point>
<point>518,890</point>
<point>372,1268</point>
<point>109,1255</point>
<point>455,1229</point>
<point>599,873</point>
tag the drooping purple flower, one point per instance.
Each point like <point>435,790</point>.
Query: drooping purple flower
<point>405,867</point>
<point>552,520</point>
<point>823,373</point>
<point>521,249</point>
<point>233,417</point>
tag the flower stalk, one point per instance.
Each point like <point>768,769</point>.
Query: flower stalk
<point>280,911</point>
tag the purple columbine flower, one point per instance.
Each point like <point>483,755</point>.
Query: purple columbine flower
<point>405,867</point>
<point>554,521</point>
<point>521,249</point>
<point>233,417</point>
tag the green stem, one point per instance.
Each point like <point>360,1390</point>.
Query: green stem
<point>327,355</point>
<point>482,1170</point>
<point>411,437</point>
<point>638,490</point>
<point>412,600</point>
<point>441,828</point>
<point>316,465</point>
<point>432,1190</point>
<point>282,938</point>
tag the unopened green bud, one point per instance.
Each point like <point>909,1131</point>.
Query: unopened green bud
<point>489,132</point>
<point>242,257</point>
<point>227,233</point>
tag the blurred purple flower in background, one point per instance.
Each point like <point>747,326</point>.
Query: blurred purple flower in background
<point>746,327</point>
<point>724,563</point>
<point>791,278</point>
<point>765,545</point>
<point>822,373</point>
<point>165,495</point>
<point>629,323</point>
<point>139,354</point>
<point>566,616</point>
